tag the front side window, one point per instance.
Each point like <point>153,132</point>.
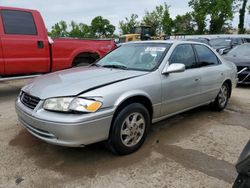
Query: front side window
<point>205,56</point>
<point>18,22</point>
<point>144,56</point>
<point>183,54</point>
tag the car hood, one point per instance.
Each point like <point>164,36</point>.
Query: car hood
<point>238,61</point>
<point>74,81</point>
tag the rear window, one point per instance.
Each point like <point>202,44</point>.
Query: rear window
<point>18,22</point>
<point>220,42</point>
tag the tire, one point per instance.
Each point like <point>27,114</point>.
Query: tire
<point>81,62</point>
<point>129,129</point>
<point>221,100</point>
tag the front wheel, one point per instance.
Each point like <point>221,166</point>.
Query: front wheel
<point>129,129</point>
<point>221,100</point>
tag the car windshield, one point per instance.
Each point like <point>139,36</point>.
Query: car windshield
<point>220,42</point>
<point>240,51</point>
<point>136,56</point>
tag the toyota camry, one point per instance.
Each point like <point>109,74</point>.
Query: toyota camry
<point>118,98</point>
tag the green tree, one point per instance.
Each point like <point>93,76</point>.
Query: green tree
<point>59,30</point>
<point>101,28</point>
<point>167,22</point>
<point>128,24</point>
<point>184,24</point>
<point>154,19</point>
<point>221,11</point>
<point>242,12</point>
<point>80,30</point>
<point>200,12</point>
<point>86,30</point>
<point>75,30</point>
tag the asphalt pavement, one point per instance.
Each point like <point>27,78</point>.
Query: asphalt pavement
<point>198,148</point>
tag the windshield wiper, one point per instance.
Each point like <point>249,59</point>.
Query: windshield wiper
<point>116,66</point>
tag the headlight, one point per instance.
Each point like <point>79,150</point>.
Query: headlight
<point>58,104</point>
<point>72,104</point>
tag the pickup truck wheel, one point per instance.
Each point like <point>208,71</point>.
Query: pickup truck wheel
<point>129,129</point>
<point>84,61</point>
<point>221,100</point>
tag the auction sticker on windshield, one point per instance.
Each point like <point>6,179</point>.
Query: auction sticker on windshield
<point>155,49</point>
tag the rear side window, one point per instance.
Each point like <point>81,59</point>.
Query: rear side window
<point>183,54</point>
<point>18,22</point>
<point>205,56</point>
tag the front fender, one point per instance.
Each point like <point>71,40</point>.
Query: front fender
<point>130,94</point>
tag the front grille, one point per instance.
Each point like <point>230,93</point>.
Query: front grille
<point>244,77</point>
<point>241,68</point>
<point>29,101</point>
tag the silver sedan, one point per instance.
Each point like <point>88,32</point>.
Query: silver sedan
<point>118,98</point>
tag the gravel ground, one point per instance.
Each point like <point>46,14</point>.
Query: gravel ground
<point>198,148</point>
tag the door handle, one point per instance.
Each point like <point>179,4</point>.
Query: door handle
<point>197,79</point>
<point>40,44</point>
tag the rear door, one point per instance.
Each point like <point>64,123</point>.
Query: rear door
<point>181,91</point>
<point>24,42</point>
<point>211,70</point>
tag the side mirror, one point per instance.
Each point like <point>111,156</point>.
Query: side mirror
<point>174,68</point>
<point>221,51</point>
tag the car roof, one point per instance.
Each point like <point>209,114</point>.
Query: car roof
<point>165,42</point>
<point>198,38</point>
<point>228,38</point>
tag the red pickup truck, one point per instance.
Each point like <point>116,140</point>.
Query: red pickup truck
<point>25,47</point>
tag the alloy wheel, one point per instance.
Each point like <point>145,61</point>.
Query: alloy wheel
<point>223,96</point>
<point>132,129</point>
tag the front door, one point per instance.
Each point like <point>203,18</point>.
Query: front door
<point>181,91</point>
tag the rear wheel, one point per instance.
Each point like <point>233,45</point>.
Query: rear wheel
<point>83,61</point>
<point>221,100</point>
<point>129,129</point>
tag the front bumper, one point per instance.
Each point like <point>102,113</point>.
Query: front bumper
<point>65,129</point>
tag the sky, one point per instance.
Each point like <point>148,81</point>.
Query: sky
<point>85,10</point>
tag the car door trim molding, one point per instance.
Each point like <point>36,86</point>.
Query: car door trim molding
<point>180,111</point>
